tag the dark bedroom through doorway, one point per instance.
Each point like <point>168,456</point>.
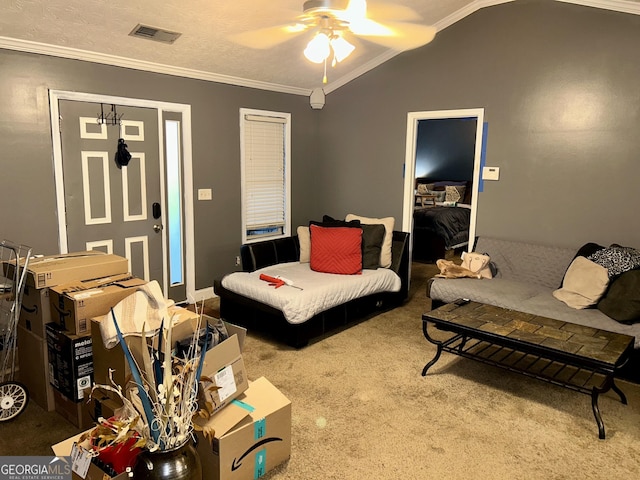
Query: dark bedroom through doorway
<point>444,169</point>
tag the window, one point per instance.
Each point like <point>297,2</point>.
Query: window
<point>174,201</point>
<point>265,151</point>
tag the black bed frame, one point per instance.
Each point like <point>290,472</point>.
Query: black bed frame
<point>256,316</point>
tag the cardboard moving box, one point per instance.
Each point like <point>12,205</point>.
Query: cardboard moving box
<point>35,311</point>
<point>223,362</point>
<point>53,270</point>
<point>79,414</point>
<point>93,472</point>
<point>70,362</point>
<point>33,360</point>
<point>252,435</point>
<point>74,304</point>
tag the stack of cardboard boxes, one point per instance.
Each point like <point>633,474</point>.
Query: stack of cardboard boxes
<point>252,420</point>
<point>37,368</point>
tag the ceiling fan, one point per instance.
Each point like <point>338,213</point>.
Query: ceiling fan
<point>332,22</point>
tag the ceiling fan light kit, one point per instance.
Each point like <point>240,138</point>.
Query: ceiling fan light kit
<point>332,20</point>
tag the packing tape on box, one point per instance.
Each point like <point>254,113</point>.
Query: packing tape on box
<point>244,405</point>
<point>259,426</point>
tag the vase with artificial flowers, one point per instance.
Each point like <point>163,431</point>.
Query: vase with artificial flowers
<point>159,403</point>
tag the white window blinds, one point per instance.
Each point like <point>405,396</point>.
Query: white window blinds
<point>265,174</point>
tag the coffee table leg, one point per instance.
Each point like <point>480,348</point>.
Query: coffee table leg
<point>438,344</point>
<point>620,393</point>
<point>596,412</point>
<point>607,384</point>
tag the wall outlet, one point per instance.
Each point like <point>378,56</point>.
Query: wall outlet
<point>204,194</point>
<point>238,261</point>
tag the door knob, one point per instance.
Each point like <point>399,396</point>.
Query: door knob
<point>157,228</point>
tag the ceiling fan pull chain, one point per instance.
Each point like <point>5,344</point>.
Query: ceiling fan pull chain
<point>324,78</point>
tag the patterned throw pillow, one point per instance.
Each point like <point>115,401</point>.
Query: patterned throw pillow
<point>454,193</point>
<point>617,259</point>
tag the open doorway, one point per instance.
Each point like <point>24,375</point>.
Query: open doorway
<point>449,190</point>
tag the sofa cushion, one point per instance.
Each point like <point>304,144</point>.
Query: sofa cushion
<point>530,263</point>
<point>617,259</point>
<point>497,291</point>
<point>336,250</point>
<point>304,237</point>
<point>622,300</point>
<point>388,222</point>
<point>372,238</point>
<point>583,284</point>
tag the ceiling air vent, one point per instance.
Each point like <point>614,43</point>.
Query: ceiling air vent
<point>152,33</point>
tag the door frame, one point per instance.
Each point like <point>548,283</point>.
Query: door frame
<point>185,110</point>
<point>410,163</point>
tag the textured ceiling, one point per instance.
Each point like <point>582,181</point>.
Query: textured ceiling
<point>98,30</point>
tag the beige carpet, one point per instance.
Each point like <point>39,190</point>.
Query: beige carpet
<point>362,410</point>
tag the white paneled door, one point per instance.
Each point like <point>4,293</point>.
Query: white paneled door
<point>110,206</point>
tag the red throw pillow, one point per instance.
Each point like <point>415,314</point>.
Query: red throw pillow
<point>336,249</point>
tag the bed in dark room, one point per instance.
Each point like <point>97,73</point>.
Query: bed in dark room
<point>442,222</point>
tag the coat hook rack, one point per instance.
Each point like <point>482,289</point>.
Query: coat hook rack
<point>110,118</point>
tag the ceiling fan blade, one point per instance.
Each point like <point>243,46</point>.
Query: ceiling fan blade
<point>264,38</point>
<point>399,35</point>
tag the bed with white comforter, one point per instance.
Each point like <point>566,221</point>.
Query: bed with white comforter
<point>313,292</point>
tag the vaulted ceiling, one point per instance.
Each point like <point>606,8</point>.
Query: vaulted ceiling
<point>99,31</point>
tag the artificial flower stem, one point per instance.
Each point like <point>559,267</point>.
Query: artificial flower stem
<point>144,398</point>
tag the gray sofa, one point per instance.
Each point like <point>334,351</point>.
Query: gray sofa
<point>527,276</point>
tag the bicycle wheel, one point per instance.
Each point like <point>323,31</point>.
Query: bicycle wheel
<point>13,400</point>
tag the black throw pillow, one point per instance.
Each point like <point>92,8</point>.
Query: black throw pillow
<point>372,239</point>
<point>622,300</point>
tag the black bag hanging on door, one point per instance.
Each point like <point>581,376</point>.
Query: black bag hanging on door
<point>122,154</point>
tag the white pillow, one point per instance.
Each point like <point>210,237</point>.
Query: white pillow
<point>388,222</point>
<point>304,236</point>
<point>583,284</point>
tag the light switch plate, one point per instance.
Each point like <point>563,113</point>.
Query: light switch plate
<point>491,173</point>
<point>204,194</point>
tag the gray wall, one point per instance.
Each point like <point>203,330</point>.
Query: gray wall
<point>559,85</point>
<point>27,193</point>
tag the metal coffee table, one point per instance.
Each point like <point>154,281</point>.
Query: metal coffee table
<point>580,358</point>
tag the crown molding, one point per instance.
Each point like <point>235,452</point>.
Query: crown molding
<point>623,6</point>
<point>106,59</point>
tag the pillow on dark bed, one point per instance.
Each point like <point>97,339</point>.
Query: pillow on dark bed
<point>372,239</point>
<point>336,250</point>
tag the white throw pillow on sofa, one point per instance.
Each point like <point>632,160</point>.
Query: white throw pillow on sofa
<point>583,284</point>
<point>389,223</point>
<point>304,236</point>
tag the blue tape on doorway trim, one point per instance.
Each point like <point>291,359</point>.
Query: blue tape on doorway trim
<point>483,154</point>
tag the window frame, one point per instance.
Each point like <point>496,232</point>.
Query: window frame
<point>285,120</point>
